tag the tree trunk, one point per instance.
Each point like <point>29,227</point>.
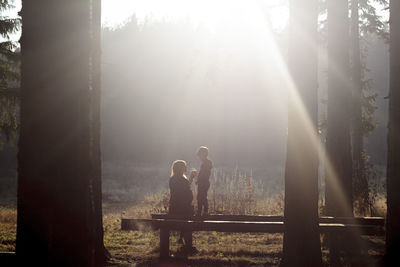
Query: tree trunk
<point>360,183</point>
<point>393,164</point>
<point>58,159</point>
<point>301,176</point>
<point>101,253</point>
<point>338,161</point>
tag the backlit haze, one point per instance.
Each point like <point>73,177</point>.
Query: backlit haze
<point>213,14</point>
<point>179,74</point>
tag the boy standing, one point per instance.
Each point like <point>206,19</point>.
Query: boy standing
<point>203,181</point>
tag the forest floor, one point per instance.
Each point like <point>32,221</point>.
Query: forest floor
<point>141,248</point>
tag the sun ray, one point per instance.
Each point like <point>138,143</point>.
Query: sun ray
<point>242,16</point>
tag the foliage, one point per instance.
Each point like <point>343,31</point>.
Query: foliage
<point>368,107</point>
<point>9,74</point>
<point>376,188</point>
<point>375,204</point>
<point>371,21</point>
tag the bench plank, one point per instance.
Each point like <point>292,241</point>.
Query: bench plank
<point>240,226</point>
<point>379,221</point>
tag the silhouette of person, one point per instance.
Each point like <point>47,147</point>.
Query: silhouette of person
<point>181,197</point>
<point>203,181</point>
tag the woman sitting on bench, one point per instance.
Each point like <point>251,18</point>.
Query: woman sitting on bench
<point>180,204</point>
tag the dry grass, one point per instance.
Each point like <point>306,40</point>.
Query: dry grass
<point>222,249</point>
<point>213,248</point>
<point>8,228</point>
<point>231,192</point>
<point>136,248</point>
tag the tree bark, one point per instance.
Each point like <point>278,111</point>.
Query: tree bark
<point>301,175</point>
<point>57,160</point>
<point>101,252</point>
<point>338,163</point>
<point>393,164</point>
<point>360,183</point>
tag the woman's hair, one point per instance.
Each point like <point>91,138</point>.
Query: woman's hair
<point>202,151</point>
<point>178,168</point>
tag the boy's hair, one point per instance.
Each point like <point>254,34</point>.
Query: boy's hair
<point>202,151</point>
<point>178,167</point>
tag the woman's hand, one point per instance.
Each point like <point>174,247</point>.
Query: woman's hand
<point>192,175</point>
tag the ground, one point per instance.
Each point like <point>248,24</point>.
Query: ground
<point>240,194</point>
<point>142,248</point>
<point>137,248</point>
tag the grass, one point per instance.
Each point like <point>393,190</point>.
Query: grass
<point>231,193</point>
<point>136,248</point>
<point>213,248</point>
<point>8,228</point>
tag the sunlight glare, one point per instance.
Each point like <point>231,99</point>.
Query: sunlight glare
<point>221,13</point>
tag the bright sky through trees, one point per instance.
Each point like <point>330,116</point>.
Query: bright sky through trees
<point>211,13</point>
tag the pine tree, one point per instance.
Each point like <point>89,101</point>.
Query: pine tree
<point>9,74</point>
<point>301,174</point>
<point>364,20</point>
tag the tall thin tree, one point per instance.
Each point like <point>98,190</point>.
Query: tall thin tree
<point>58,159</point>
<point>101,252</point>
<point>338,161</point>
<point>360,184</point>
<point>393,164</point>
<point>301,175</point>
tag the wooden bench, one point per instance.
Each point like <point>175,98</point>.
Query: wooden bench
<point>378,221</point>
<point>247,224</point>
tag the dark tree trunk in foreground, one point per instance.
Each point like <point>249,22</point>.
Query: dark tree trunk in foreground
<point>338,162</point>
<point>393,165</point>
<point>59,194</point>
<point>101,252</point>
<point>360,183</point>
<point>301,246</point>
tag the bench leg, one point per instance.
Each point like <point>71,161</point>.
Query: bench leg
<point>164,243</point>
<point>188,238</point>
